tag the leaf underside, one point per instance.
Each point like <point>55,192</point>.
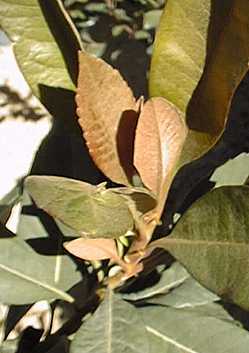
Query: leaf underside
<point>89,210</point>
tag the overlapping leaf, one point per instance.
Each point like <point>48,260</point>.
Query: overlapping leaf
<point>115,327</point>
<point>160,136</point>
<point>87,209</point>
<point>93,249</point>
<point>107,113</point>
<point>195,38</point>
<point>211,241</point>
<point>45,41</point>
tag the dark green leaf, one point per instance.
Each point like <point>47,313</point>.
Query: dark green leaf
<point>87,209</point>
<point>211,241</point>
<point>115,327</point>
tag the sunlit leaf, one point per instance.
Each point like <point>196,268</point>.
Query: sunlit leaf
<point>180,50</point>
<point>45,41</point>
<point>196,37</point>
<point>211,241</point>
<point>192,331</point>
<point>87,209</point>
<point>233,172</point>
<point>160,135</point>
<point>115,327</point>
<point>107,115</point>
<point>93,249</point>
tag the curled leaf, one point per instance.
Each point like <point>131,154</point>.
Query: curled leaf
<point>107,112</point>
<point>160,136</point>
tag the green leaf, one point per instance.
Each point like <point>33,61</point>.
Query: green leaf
<point>189,331</point>
<point>8,202</point>
<point>211,241</point>
<point>115,327</point>
<point>188,294</point>
<point>27,277</point>
<point>142,198</point>
<point>170,279</point>
<point>193,35</point>
<point>87,209</point>
<point>233,172</point>
<point>45,41</point>
<point>176,289</point>
<point>151,19</point>
<point>180,51</point>
<point>9,346</point>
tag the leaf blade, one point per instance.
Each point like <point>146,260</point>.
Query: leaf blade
<point>211,241</point>
<point>160,136</point>
<point>110,329</point>
<point>105,102</point>
<point>87,209</point>
<point>37,53</point>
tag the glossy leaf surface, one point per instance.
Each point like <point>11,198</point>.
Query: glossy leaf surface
<point>87,209</point>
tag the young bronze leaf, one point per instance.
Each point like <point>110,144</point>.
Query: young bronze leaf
<point>160,135</point>
<point>87,209</point>
<point>104,103</point>
<point>93,249</point>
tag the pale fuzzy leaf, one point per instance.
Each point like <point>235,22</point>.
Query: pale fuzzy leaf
<point>115,327</point>
<point>160,136</point>
<point>87,209</point>
<point>211,241</point>
<point>92,249</point>
<point>192,331</point>
<point>107,116</point>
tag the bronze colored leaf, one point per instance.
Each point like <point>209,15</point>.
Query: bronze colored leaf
<point>92,249</point>
<point>160,135</point>
<point>106,110</point>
